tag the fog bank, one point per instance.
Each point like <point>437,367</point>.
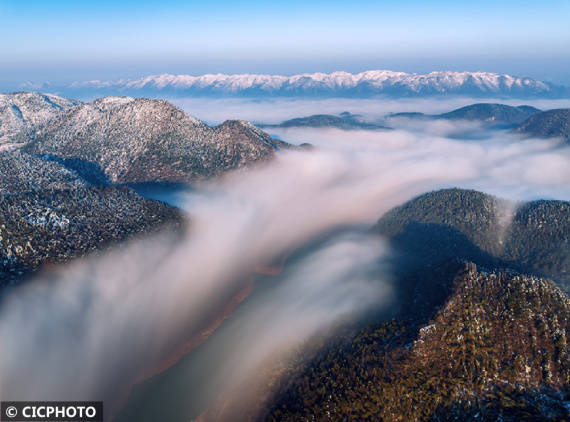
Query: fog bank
<point>88,330</point>
<point>272,111</point>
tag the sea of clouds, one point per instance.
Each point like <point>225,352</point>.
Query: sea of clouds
<point>88,330</point>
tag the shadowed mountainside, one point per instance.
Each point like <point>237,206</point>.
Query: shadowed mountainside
<point>466,343</point>
<point>490,114</point>
<point>548,124</point>
<point>495,350</point>
<point>344,121</point>
<point>21,172</point>
<point>532,237</point>
<point>50,215</point>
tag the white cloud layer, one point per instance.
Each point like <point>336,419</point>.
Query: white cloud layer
<point>88,330</point>
<point>272,111</point>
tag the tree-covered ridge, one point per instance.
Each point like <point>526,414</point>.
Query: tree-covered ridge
<point>468,211</point>
<point>344,121</point>
<point>51,226</point>
<point>538,239</point>
<point>466,224</point>
<point>548,124</point>
<point>128,140</point>
<point>21,172</point>
<point>23,112</point>
<point>489,114</point>
<point>497,348</point>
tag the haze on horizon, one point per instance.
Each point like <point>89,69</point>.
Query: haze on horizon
<point>63,41</point>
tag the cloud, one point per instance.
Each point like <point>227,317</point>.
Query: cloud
<point>34,86</point>
<point>341,278</point>
<point>90,329</point>
<point>273,111</point>
<point>502,163</point>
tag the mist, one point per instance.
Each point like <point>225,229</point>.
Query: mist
<point>273,111</point>
<point>92,328</point>
<point>500,163</point>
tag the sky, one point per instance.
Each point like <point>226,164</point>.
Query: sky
<point>63,41</point>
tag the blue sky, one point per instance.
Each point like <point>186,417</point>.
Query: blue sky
<point>63,41</point>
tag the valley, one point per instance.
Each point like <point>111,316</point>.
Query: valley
<point>251,279</point>
<point>274,211</point>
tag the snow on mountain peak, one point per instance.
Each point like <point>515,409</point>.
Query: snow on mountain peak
<point>22,110</point>
<point>340,83</point>
<point>113,101</point>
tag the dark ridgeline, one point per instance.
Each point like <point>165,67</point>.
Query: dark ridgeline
<point>454,223</point>
<point>344,121</point>
<point>548,124</point>
<point>490,114</point>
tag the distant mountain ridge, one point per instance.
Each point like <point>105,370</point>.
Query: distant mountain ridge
<point>548,124</point>
<point>488,113</point>
<point>345,121</point>
<point>335,84</point>
<point>491,115</point>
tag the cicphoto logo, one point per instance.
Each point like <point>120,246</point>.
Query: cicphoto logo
<point>52,411</point>
<point>11,412</point>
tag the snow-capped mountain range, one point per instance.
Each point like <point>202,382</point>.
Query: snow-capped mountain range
<point>336,84</point>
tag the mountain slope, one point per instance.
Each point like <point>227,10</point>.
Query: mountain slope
<point>21,172</point>
<point>548,124</point>
<point>22,111</point>
<point>50,215</point>
<point>488,113</point>
<point>496,350</point>
<point>436,226</point>
<point>128,140</point>
<point>344,121</point>
<point>491,113</point>
<point>340,84</point>
<point>47,227</point>
<point>467,343</point>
